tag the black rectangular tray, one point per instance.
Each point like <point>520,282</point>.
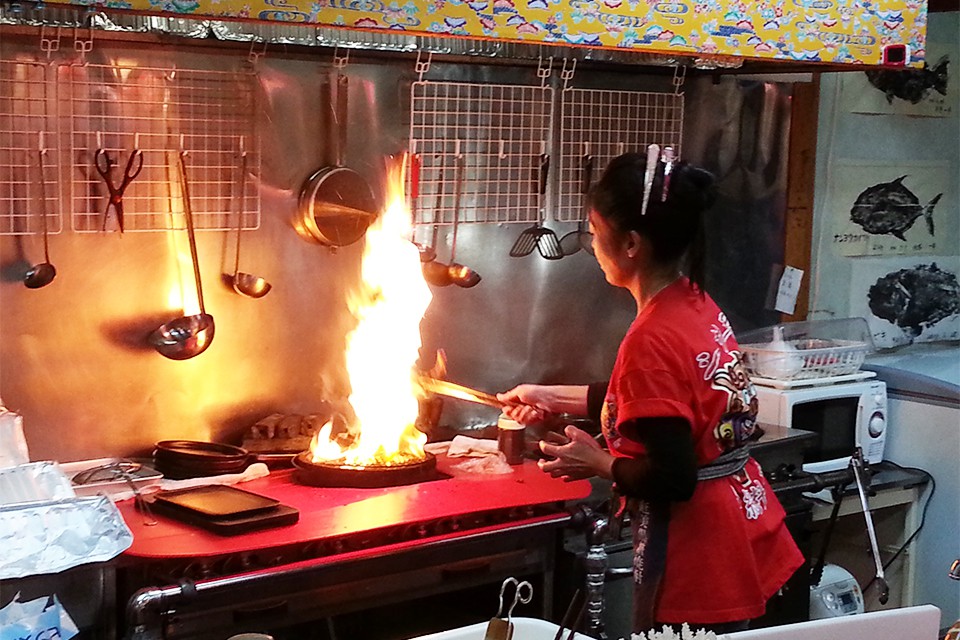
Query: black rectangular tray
<point>223,509</point>
<point>216,501</point>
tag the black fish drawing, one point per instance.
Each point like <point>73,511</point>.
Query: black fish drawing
<point>915,298</point>
<point>911,85</point>
<point>891,208</point>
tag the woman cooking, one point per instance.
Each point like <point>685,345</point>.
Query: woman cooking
<point>710,544</point>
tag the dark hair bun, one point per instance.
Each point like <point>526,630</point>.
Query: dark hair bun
<point>692,187</point>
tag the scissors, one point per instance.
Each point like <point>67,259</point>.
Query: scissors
<point>104,164</point>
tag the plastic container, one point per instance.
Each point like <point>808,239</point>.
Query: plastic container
<point>806,350</point>
<point>523,629</point>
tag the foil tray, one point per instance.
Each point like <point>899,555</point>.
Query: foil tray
<point>45,528</point>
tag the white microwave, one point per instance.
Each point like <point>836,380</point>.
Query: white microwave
<point>844,416</point>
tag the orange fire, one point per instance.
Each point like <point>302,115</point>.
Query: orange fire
<point>383,348</point>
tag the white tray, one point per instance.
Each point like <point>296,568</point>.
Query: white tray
<point>523,629</point>
<point>811,382</point>
<point>908,623</point>
<point>142,478</point>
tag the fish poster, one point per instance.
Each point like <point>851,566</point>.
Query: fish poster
<point>930,91</point>
<point>892,209</point>
<point>907,300</point>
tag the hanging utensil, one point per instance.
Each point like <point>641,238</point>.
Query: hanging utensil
<point>246,284</point>
<point>104,167</point>
<point>574,241</point>
<point>336,203</point>
<point>538,237</point>
<point>435,272</point>
<point>187,336</point>
<point>460,275</point>
<point>40,275</point>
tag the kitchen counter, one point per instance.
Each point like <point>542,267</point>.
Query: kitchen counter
<point>341,513</point>
<point>354,556</point>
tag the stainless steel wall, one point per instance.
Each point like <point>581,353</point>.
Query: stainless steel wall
<point>73,355</point>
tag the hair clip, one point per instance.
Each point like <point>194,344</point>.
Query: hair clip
<point>653,156</point>
<point>668,158</point>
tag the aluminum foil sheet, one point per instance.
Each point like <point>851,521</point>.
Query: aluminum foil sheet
<point>92,19</point>
<point>49,537</point>
<point>45,528</point>
<point>34,482</point>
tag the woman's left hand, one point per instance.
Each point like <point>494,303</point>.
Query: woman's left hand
<point>579,457</point>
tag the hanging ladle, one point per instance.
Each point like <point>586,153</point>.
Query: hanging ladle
<point>246,284</point>
<point>186,336</point>
<point>40,275</point>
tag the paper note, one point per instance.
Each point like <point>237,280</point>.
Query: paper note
<point>788,289</point>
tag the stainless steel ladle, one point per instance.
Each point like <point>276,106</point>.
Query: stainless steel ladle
<point>40,275</point>
<point>187,336</point>
<point>246,284</point>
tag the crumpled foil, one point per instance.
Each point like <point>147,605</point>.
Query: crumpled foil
<point>51,529</point>
<point>34,482</point>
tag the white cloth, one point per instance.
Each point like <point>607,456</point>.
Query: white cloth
<point>483,456</point>
<point>254,471</point>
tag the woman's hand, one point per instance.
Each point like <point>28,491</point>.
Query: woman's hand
<point>526,403</point>
<point>577,456</point>
<point>531,403</point>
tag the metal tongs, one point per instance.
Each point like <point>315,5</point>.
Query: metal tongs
<point>857,467</point>
<point>118,470</point>
<point>500,628</point>
<point>453,390</point>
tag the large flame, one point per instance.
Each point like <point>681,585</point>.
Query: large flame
<point>382,350</point>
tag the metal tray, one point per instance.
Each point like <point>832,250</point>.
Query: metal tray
<point>142,477</point>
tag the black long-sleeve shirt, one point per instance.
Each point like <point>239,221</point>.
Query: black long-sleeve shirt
<point>668,470</point>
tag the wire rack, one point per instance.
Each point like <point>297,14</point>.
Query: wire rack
<point>498,132</point>
<point>25,93</point>
<point>605,124</point>
<point>161,112</point>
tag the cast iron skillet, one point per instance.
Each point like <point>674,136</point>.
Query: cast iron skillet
<point>180,459</point>
<point>336,202</point>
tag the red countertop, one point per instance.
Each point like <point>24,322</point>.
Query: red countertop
<point>333,512</point>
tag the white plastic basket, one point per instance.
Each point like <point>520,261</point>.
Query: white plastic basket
<point>806,350</point>
<point>820,359</point>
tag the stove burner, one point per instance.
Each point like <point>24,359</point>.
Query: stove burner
<point>369,477</point>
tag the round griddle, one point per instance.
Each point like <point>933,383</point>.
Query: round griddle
<point>367,477</point>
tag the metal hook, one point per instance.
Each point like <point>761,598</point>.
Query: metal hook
<point>49,45</point>
<point>253,56</point>
<point>543,72</point>
<point>339,62</point>
<point>567,74</point>
<point>679,72</point>
<point>83,47</point>
<point>422,67</point>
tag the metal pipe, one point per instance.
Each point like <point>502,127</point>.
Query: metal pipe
<point>596,565</point>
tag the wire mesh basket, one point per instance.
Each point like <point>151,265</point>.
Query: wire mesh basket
<point>807,350</point>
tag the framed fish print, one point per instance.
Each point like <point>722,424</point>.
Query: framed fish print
<point>907,299</point>
<point>891,209</point>
<point>930,91</point>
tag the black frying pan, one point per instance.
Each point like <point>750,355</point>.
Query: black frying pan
<point>336,202</point>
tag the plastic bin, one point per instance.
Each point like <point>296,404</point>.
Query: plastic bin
<point>814,349</point>
<point>523,629</point>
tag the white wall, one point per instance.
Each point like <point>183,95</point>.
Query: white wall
<point>930,440</point>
